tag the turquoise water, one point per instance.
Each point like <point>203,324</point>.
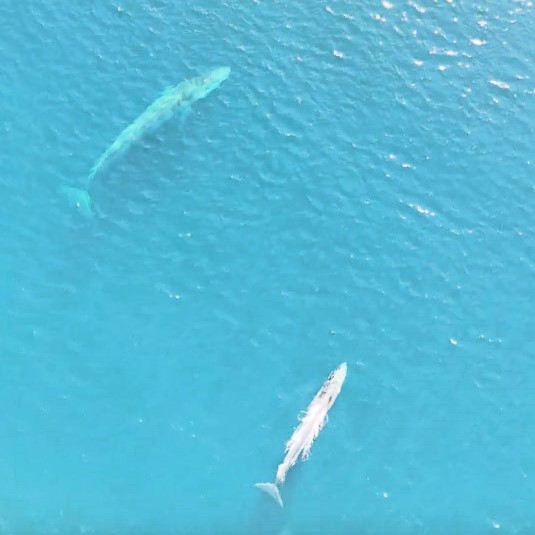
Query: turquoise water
<point>360,189</point>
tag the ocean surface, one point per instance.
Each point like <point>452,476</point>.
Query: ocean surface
<point>360,189</point>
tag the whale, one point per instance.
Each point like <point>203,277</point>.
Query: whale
<point>172,100</point>
<point>311,423</point>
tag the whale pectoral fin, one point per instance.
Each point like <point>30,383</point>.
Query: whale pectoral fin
<point>185,112</point>
<point>78,198</point>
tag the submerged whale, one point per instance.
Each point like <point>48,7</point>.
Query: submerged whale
<point>311,423</point>
<point>173,99</point>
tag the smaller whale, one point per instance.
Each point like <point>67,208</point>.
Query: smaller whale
<point>172,100</point>
<point>311,423</point>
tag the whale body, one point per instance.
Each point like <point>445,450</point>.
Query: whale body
<point>173,99</point>
<point>311,423</point>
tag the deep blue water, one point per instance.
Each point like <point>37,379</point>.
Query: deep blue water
<point>361,188</point>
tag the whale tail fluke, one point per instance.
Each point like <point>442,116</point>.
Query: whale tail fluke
<point>79,198</point>
<point>272,490</point>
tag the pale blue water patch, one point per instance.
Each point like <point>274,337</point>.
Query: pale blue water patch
<point>359,189</point>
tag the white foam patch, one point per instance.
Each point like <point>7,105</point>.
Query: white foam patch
<point>422,210</point>
<point>500,84</point>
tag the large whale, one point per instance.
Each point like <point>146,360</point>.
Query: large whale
<point>173,99</point>
<point>311,423</point>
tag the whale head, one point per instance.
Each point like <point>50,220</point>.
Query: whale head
<point>189,91</point>
<point>211,80</point>
<point>196,88</point>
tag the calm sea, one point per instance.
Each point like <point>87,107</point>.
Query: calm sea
<point>360,189</point>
